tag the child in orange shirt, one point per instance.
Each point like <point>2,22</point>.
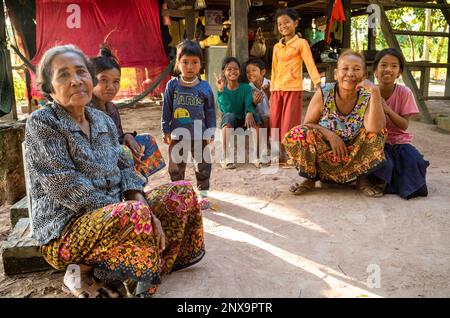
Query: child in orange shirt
<point>286,81</point>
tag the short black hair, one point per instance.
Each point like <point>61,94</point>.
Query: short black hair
<point>229,60</point>
<point>105,60</point>
<point>390,51</point>
<point>291,13</point>
<point>189,48</point>
<point>257,62</point>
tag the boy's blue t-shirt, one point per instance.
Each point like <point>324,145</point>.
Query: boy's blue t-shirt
<point>183,105</point>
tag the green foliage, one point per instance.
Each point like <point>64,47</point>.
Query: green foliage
<point>412,46</point>
<point>20,87</point>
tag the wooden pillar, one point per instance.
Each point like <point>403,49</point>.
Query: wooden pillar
<point>447,79</point>
<point>9,78</point>
<point>347,4</point>
<point>371,39</point>
<point>239,30</point>
<point>424,80</point>
<point>446,13</point>
<point>190,24</point>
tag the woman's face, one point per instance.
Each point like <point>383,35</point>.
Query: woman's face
<point>71,80</point>
<point>286,25</point>
<point>350,71</point>
<point>231,71</point>
<point>388,70</point>
<point>108,84</point>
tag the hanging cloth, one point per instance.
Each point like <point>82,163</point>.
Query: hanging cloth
<point>6,92</point>
<point>337,14</point>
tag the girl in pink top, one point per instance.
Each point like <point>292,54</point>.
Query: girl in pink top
<point>405,168</point>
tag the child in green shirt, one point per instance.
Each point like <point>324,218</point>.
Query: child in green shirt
<point>235,101</point>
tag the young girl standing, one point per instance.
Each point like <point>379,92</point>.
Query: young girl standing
<point>286,80</point>
<point>405,168</point>
<point>189,104</point>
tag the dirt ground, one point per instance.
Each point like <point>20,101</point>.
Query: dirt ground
<point>262,241</point>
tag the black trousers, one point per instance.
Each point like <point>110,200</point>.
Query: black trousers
<point>178,160</point>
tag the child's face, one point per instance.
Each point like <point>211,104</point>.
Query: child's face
<point>286,25</point>
<point>189,66</point>
<point>254,73</point>
<point>388,70</point>
<point>231,71</point>
<point>108,84</point>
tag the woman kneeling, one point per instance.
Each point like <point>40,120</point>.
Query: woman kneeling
<point>343,134</point>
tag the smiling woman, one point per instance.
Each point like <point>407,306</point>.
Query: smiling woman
<point>79,176</point>
<point>343,134</point>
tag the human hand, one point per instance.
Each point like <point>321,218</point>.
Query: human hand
<point>386,108</point>
<point>337,145</point>
<point>257,96</point>
<point>220,82</point>
<point>368,85</point>
<point>167,138</point>
<point>250,121</point>
<point>159,233</point>
<point>135,147</point>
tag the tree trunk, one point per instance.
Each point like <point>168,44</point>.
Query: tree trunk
<point>411,43</point>
<point>441,47</point>
<point>426,48</point>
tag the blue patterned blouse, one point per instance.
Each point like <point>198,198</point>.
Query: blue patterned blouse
<point>70,173</point>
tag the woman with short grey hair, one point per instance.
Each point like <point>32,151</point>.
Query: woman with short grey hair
<point>88,205</point>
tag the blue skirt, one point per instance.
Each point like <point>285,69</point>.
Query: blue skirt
<point>404,171</point>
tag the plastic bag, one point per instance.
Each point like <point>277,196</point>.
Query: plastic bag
<point>259,45</point>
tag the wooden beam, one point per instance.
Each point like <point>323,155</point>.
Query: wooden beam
<point>426,64</point>
<point>239,30</point>
<point>436,98</point>
<point>190,24</point>
<point>446,13</point>
<point>347,4</point>
<point>311,4</point>
<point>407,75</point>
<point>421,33</point>
<point>403,4</point>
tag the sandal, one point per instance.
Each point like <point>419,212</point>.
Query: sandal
<point>228,165</point>
<point>371,190</point>
<point>80,288</point>
<point>304,187</point>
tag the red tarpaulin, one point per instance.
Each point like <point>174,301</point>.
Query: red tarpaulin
<point>133,27</point>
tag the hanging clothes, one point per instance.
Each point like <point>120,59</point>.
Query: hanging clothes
<point>337,14</point>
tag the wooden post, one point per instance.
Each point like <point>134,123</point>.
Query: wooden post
<point>447,79</point>
<point>190,24</point>
<point>239,30</point>
<point>424,80</point>
<point>9,77</point>
<point>408,78</point>
<point>347,4</point>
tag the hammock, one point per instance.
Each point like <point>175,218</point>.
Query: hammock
<point>120,105</point>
